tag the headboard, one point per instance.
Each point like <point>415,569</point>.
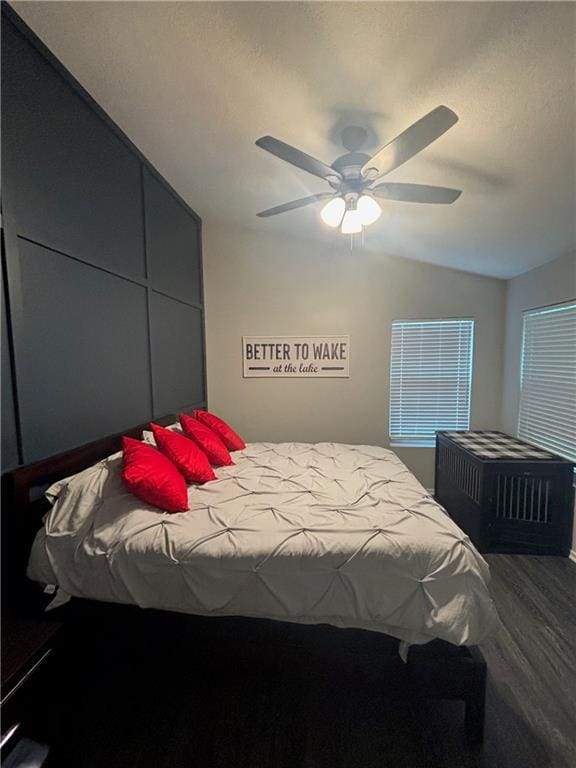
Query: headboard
<point>23,506</point>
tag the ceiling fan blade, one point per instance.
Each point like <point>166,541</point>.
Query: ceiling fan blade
<point>416,193</point>
<point>410,142</point>
<point>296,157</point>
<point>294,204</point>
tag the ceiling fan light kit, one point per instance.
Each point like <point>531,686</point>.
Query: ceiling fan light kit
<point>351,223</point>
<point>352,213</point>
<point>333,212</point>
<point>368,209</point>
<point>351,204</point>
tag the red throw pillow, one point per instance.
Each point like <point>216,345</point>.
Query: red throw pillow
<point>207,440</point>
<point>153,478</point>
<point>231,439</point>
<point>184,454</point>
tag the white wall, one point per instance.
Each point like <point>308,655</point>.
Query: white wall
<point>552,283</point>
<point>261,284</point>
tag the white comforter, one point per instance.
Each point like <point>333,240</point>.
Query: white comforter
<point>326,533</point>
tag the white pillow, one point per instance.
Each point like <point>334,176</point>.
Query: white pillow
<point>56,488</point>
<point>54,491</point>
<point>148,435</point>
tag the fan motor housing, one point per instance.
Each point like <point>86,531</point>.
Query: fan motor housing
<point>350,167</point>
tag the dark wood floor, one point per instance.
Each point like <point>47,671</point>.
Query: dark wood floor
<point>140,707</point>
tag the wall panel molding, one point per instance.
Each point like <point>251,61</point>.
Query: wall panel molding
<point>83,370</point>
<point>103,266</point>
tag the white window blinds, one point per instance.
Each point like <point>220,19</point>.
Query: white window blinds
<point>430,379</point>
<point>547,415</point>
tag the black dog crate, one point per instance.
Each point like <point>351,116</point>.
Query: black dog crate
<point>507,495</point>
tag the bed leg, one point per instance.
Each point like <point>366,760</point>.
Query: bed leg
<point>474,720</point>
<point>475,699</point>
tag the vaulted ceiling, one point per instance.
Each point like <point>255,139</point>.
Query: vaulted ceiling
<point>194,84</point>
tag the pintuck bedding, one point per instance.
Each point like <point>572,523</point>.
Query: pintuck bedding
<point>326,533</point>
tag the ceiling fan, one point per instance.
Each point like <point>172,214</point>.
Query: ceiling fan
<point>351,204</point>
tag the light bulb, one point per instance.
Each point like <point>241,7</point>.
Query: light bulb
<point>368,209</point>
<point>333,211</point>
<point>351,223</point>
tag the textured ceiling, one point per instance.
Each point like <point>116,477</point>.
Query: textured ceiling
<point>194,84</point>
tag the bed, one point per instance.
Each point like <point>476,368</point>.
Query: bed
<point>328,534</point>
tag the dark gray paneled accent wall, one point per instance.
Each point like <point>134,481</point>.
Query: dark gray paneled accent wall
<point>176,374</point>
<point>105,321</point>
<point>86,341</point>
<point>74,185</point>
<point>9,438</point>
<point>173,244</point>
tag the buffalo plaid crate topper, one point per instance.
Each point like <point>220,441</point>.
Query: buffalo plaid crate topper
<point>497,445</point>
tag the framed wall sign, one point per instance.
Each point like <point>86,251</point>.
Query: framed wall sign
<point>296,356</point>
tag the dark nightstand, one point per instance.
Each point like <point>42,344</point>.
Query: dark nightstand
<point>29,681</point>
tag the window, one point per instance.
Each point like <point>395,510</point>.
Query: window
<point>430,379</point>
<point>547,415</point>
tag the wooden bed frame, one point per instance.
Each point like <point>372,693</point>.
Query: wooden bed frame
<point>437,670</point>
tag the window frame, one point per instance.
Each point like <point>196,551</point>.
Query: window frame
<point>526,313</point>
<point>399,441</point>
